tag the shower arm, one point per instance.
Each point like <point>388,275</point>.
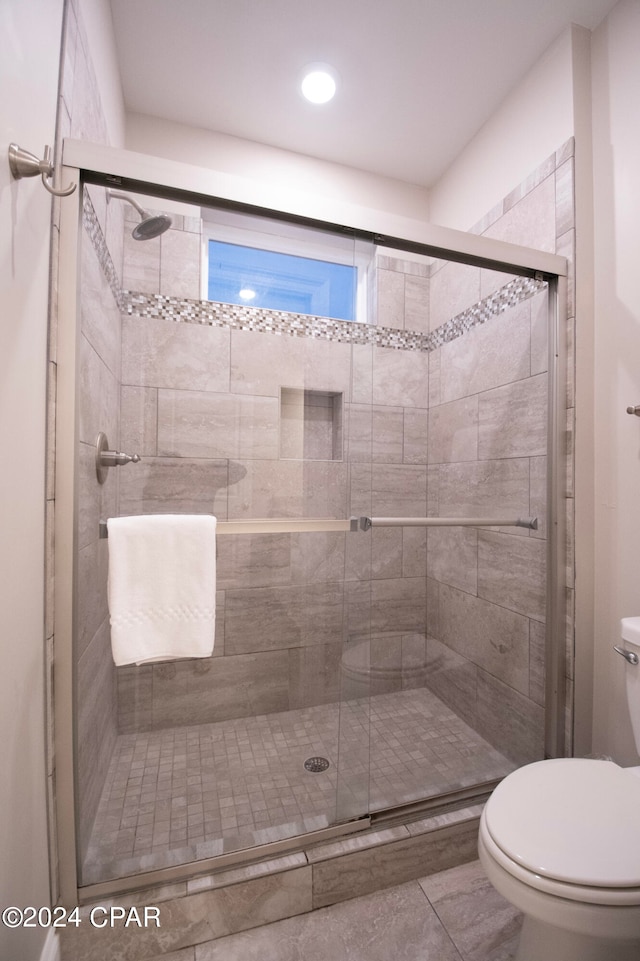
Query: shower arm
<point>116,195</point>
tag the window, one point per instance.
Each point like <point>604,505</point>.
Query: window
<point>278,281</point>
<point>257,262</point>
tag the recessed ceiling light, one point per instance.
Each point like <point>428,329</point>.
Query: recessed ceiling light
<point>319,83</point>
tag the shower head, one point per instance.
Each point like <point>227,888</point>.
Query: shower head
<point>151,225</point>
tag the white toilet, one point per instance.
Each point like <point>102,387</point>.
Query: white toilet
<point>560,840</point>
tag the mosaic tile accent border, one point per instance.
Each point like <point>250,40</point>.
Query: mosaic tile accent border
<point>271,321</point>
<point>238,317</point>
<point>92,226</point>
<point>300,325</point>
<point>513,293</point>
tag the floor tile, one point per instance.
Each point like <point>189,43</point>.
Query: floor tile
<point>397,924</point>
<point>482,925</point>
<point>179,794</point>
<point>187,954</point>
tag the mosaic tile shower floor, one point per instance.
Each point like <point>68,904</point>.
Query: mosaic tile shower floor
<point>186,793</point>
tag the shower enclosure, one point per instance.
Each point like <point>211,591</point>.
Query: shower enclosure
<point>384,483</point>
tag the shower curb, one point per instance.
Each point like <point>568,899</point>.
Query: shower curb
<point>214,906</point>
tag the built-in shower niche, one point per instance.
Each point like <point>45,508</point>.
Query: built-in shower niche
<point>310,424</point>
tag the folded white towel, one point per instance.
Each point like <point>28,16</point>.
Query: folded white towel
<point>162,586</point>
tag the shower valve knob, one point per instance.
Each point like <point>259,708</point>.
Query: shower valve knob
<point>106,458</point>
<point>116,458</point>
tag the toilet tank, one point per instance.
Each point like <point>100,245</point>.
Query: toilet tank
<point>630,633</point>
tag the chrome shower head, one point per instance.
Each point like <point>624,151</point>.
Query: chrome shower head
<point>151,225</point>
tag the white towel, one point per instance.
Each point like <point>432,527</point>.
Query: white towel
<point>162,586</point>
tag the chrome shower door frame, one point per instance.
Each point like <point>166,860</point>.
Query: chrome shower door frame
<point>121,169</point>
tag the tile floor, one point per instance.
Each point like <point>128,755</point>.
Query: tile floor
<point>191,792</point>
<point>452,916</point>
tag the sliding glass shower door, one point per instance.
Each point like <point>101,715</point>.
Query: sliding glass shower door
<point>459,544</point>
<point>369,427</point>
<point>209,351</point>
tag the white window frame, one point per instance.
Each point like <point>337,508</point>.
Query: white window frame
<point>286,238</point>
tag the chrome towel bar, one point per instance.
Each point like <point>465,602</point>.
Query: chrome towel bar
<point>295,525</point>
<point>529,522</point>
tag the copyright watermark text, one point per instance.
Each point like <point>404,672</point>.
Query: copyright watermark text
<point>98,917</point>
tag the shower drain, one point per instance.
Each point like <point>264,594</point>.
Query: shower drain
<point>316,764</point>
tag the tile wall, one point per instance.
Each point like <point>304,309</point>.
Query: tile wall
<point>215,401</point>
<point>453,423</point>
<point>541,213</point>
<point>487,456</point>
<point>99,410</point>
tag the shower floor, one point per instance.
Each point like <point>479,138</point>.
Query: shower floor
<point>186,793</point>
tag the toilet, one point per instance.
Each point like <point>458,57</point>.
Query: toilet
<point>560,840</point>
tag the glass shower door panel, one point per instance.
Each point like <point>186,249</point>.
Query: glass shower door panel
<point>240,412</point>
<point>355,680</point>
<point>355,648</point>
<point>458,625</point>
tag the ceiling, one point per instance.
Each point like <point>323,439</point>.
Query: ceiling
<point>417,78</point>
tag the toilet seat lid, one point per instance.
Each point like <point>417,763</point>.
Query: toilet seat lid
<point>574,820</point>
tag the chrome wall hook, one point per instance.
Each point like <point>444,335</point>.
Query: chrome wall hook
<point>634,410</point>
<point>25,164</point>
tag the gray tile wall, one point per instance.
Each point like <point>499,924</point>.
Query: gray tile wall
<point>99,410</point>
<point>486,455</point>
<point>211,410</point>
<point>459,428</point>
<point>487,421</point>
<point>485,403</point>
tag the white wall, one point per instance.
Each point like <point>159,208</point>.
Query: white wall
<point>531,123</point>
<point>281,169</point>
<point>30,32</point>
<point>616,101</point>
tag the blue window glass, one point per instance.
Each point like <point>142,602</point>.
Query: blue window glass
<point>266,278</point>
